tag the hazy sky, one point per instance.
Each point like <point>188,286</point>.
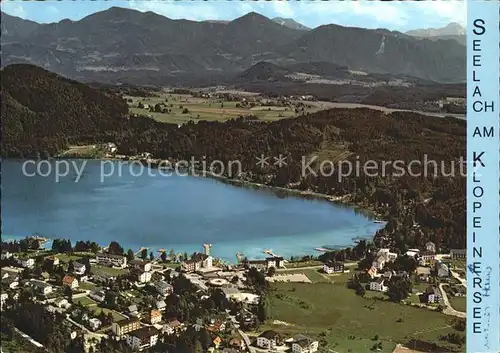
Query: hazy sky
<point>396,15</point>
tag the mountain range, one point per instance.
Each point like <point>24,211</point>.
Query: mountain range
<point>290,23</point>
<point>121,45</point>
<point>453,31</point>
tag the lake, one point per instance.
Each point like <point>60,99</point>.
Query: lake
<point>179,212</point>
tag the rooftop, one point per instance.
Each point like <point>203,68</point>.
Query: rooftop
<point>144,333</point>
<point>269,334</point>
<point>126,322</point>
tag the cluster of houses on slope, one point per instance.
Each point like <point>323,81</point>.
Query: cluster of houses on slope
<point>271,340</point>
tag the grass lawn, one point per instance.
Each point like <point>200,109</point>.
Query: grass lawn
<point>459,303</point>
<point>299,264</point>
<point>116,316</point>
<point>65,258</point>
<point>108,270</point>
<point>87,286</point>
<point>334,312</point>
<point>85,301</point>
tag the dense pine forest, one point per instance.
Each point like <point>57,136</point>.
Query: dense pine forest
<point>42,113</point>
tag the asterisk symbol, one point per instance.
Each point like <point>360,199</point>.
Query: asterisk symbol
<point>280,161</point>
<point>262,161</point>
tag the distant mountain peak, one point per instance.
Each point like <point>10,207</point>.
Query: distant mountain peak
<point>290,23</point>
<point>451,29</point>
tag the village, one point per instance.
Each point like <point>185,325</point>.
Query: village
<point>133,297</point>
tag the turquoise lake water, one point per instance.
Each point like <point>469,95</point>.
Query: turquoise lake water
<point>179,212</point>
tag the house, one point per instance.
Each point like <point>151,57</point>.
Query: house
<point>61,302</point>
<point>172,327</point>
<point>143,338</point>
<point>217,341</point>
<point>42,287</point>
<point>333,267</point>
<point>10,282</point>
<point>258,264</point>
<point>432,294</point>
<point>274,261</point>
<point>379,263</point>
<point>79,268</point>
<point>269,339</point>
<point>3,299</point>
<point>423,274</point>
<point>52,260</point>
<point>458,253</point>
<point>111,260</point>
<point>372,272</point>
<point>144,266</point>
<point>442,270</point>
<point>6,255</point>
<point>378,285</point>
<point>426,258</point>
<point>304,344</point>
<point>163,287</point>
<point>154,317</point>
<point>142,277</point>
<point>95,324</point>
<point>133,311</point>
<point>196,262</point>
<point>216,326</point>
<point>27,262</point>
<point>160,305</point>
<point>121,328</point>
<point>430,247</point>
<point>237,343</point>
<point>70,281</point>
<point>98,296</point>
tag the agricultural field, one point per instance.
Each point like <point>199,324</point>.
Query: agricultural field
<point>184,108</point>
<point>346,322</point>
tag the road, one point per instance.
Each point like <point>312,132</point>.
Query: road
<point>247,341</point>
<point>88,335</point>
<point>449,309</point>
<point>28,338</point>
<point>457,276</point>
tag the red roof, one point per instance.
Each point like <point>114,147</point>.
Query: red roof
<point>68,279</point>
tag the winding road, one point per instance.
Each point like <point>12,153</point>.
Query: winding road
<point>449,309</point>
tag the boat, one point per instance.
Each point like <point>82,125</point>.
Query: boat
<point>321,249</point>
<point>378,221</point>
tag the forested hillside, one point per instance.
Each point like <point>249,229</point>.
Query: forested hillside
<point>43,112</point>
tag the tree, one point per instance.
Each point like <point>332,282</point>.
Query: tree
<point>71,266</point>
<point>144,254</point>
<point>115,248</point>
<point>130,255</point>
<point>88,266</point>
<point>163,256</point>
<point>271,272</point>
<point>151,256</point>
<point>198,347</point>
<point>68,292</point>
